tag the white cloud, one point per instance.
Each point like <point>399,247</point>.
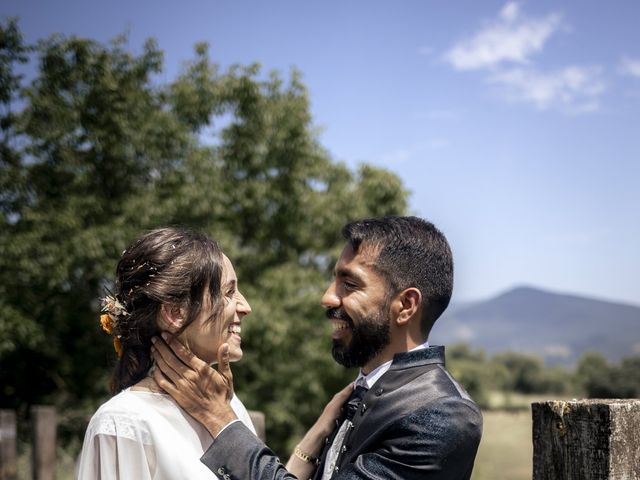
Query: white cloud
<point>512,37</point>
<point>630,66</point>
<point>572,89</point>
<point>505,47</point>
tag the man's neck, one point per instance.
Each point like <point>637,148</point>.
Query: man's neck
<point>375,363</point>
<point>387,355</point>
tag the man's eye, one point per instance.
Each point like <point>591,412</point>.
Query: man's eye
<point>349,285</point>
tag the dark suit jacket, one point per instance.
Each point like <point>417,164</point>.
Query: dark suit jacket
<point>416,422</point>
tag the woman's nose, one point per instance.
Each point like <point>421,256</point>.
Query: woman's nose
<point>243,306</point>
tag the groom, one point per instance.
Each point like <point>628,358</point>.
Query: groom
<point>407,418</point>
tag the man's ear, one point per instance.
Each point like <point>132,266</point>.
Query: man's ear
<point>171,317</point>
<point>408,304</point>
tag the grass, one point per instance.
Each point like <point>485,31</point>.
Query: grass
<point>506,449</point>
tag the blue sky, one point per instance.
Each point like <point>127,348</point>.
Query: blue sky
<point>515,125</point>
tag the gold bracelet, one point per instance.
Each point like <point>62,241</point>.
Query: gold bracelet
<point>305,457</point>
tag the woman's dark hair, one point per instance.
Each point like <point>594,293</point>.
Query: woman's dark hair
<point>166,266</point>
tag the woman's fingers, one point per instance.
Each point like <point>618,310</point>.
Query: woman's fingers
<point>201,390</point>
<point>164,383</point>
<point>224,367</point>
<point>174,369</point>
<point>344,394</point>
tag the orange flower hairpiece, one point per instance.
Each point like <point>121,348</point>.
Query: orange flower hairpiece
<point>112,310</point>
<point>107,324</point>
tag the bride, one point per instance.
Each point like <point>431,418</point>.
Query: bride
<point>175,281</point>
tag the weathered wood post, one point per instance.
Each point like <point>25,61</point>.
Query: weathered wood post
<point>8,445</point>
<point>586,439</point>
<point>44,424</point>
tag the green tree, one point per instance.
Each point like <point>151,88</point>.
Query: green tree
<point>469,368</point>
<point>603,380</point>
<point>528,374</point>
<point>107,150</point>
<point>595,373</point>
<point>628,377</point>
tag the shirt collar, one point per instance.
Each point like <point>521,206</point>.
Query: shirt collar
<point>373,376</point>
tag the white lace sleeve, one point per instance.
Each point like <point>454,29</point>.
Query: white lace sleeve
<point>117,446</point>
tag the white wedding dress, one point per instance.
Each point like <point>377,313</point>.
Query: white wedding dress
<point>141,435</point>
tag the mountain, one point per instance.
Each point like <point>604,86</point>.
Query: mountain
<point>558,327</point>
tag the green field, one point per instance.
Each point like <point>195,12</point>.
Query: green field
<point>506,449</point>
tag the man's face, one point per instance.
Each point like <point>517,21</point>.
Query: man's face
<point>357,304</point>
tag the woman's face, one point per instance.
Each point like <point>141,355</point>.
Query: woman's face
<point>205,335</point>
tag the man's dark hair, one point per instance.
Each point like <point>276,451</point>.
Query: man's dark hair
<point>411,252</point>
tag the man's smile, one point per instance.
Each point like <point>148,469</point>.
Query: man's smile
<point>340,328</point>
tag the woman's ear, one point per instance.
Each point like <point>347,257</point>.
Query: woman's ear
<point>172,317</point>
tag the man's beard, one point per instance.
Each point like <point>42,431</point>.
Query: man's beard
<point>368,338</point>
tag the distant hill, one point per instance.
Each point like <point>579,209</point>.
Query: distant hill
<point>556,326</point>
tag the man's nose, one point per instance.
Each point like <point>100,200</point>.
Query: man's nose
<point>330,299</point>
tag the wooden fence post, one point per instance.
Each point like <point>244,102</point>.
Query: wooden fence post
<point>44,423</point>
<point>8,447</point>
<point>586,439</point>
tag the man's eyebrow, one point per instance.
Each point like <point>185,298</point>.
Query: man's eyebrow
<point>231,283</point>
<point>347,272</point>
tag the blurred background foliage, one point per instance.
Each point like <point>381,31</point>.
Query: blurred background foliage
<point>96,147</point>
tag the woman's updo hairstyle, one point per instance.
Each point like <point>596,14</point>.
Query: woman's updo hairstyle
<point>166,266</point>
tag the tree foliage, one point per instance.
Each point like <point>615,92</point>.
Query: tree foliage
<point>600,379</point>
<point>96,149</point>
<point>506,372</point>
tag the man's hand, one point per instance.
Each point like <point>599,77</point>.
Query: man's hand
<point>203,392</point>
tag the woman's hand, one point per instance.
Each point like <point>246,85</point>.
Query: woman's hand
<point>313,441</point>
<point>327,420</point>
<point>202,391</point>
